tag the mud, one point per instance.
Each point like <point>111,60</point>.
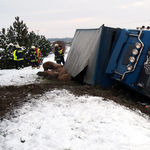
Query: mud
<point>12,97</point>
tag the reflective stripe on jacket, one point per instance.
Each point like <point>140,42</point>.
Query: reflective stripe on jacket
<point>14,55</point>
<point>61,52</point>
<point>38,53</point>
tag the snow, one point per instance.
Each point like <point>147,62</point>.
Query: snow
<point>24,76</point>
<point>59,120</point>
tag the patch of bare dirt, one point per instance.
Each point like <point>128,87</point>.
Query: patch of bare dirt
<point>12,97</point>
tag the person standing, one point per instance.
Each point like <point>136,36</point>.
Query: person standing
<point>61,51</point>
<point>20,57</point>
<point>33,57</point>
<point>38,54</point>
<point>57,54</point>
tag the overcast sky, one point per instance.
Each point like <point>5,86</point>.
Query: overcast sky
<point>60,18</point>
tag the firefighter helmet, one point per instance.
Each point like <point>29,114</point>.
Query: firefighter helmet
<point>32,47</point>
<point>56,45</point>
<point>17,46</point>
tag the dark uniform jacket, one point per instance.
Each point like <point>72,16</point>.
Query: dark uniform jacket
<point>33,55</point>
<point>57,54</point>
<point>19,54</point>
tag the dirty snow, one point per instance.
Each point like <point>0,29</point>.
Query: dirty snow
<point>59,120</point>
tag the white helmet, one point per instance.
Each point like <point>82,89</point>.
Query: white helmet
<point>32,47</point>
<point>17,46</point>
<point>56,45</point>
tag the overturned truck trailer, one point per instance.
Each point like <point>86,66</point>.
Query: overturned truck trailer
<point>106,55</point>
<point>89,54</point>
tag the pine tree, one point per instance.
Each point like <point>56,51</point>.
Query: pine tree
<point>44,45</point>
<point>18,34</point>
<point>6,60</point>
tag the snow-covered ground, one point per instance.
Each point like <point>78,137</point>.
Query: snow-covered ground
<point>24,76</point>
<point>58,120</point>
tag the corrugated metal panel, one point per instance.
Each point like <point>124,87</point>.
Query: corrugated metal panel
<point>91,49</point>
<point>83,52</point>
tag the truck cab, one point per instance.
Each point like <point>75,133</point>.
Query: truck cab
<point>129,63</point>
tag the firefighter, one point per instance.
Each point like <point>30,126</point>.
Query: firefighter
<point>33,57</point>
<point>61,51</point>
<point>57,54</point>
<point>19,55</point>
<point>38,54</point>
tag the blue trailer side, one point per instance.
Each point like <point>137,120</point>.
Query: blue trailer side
<point>108,39</point>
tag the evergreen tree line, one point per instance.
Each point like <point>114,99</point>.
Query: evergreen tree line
<point>18,34</point>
